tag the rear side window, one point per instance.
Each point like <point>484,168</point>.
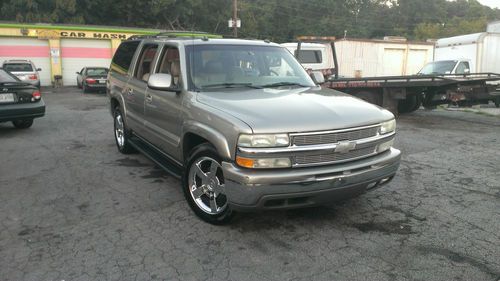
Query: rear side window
<point>309,56</point>
<point>123,56</point>
<point>18,67</point>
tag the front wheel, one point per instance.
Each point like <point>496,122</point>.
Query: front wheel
<point>22,124</point>
<point>122,135</point>
<point>204,185</point>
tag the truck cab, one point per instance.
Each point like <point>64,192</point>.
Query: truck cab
<point>313,56</point>
<point>443,67</point>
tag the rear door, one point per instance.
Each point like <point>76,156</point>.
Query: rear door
<point>119,75</point>
<point>135,91</point>
<point>163,108</point>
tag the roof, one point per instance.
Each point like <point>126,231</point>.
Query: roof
<point>212,41</point>
<point>460,40</point>
<point>16,61</point>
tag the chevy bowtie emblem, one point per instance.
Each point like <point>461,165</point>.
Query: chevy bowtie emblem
<point>345,146</point>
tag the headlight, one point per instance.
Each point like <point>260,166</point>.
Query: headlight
<point>388,127</point>
<point>263,140</point>
<point>264,163</point>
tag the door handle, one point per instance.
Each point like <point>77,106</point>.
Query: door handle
<point>149,98</point>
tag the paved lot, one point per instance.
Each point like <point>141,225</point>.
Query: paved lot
<point>73,208</point>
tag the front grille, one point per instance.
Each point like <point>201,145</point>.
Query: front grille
<point>335,157</point>
<point>312,139</point>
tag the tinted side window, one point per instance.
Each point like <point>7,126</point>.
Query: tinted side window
<point>310,56</point>
<point>123,56</point>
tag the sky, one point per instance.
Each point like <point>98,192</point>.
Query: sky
<point>491,3</point>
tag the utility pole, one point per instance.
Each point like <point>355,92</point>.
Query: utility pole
<point>235,18</point>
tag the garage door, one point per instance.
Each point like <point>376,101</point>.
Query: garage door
<point>416,60</point>
<point>79,53</point>
<point>28,49</point>
<point>393,61</point>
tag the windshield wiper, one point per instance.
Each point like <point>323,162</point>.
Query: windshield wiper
<point>231,85</point>
<point>279,84</point>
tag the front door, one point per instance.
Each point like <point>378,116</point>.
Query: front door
<point>163,108</point>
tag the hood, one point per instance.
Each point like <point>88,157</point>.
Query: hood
<point>295,110</point>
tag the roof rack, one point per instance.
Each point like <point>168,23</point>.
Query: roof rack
<point>177,34</point>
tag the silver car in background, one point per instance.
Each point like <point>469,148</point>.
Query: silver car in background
<point>25,70</point>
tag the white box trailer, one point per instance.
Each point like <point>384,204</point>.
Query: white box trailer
<point>366,58</point>
<point>480,50</point>
<point>388,57</point>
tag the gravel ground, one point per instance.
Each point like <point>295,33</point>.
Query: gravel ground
<point>73,208</point>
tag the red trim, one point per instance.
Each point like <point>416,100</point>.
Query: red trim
<point>81,52</point>
<point>24,51</point>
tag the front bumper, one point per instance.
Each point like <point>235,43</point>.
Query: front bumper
<point>11,112</point>
<point>249,190</point>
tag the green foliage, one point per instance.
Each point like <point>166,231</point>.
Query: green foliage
<point>273,19</point>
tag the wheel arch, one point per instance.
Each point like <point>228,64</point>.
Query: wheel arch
<point>196,133</point>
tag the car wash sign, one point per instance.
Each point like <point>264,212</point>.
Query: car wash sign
<point>93,35</point>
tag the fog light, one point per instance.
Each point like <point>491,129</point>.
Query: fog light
<point>385,146</point>
<point>263,163</point>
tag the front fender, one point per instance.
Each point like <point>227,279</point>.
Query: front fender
<point>216,138</point>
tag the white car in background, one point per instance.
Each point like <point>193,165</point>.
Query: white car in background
<point>25,70</point>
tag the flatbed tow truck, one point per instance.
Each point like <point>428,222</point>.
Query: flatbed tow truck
<point>405,94</point>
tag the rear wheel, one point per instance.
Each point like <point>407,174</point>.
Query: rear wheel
<point>204,185</point>
<point>22,124</point>
<point>410,104</point>
<point>85,88</point>
<point>122,135</point>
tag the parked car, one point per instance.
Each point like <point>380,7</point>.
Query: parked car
<point>20,102</point>
<point>92,78</point>
<point>25,70</point>
<point>242,133</point>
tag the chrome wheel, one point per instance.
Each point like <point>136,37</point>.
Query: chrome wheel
<point>206,185</point>
<point>119,129</point>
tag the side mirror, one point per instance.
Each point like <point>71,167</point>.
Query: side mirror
<point>78,73</point>
<point>467,70</point>
<point>161,82</point>
<point>38,69</point>
<point>317,77</point>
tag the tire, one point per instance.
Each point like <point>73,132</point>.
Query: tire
<point>122,135</point>
<point>371,97</point>
<point>410,104</point>
<point>22,124</point>
<point>407,105</point>
<point>203,185</point>
<point>85,89</point>
<point>78,84</point>
<point>497,102</point>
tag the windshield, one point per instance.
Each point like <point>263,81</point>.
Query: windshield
<point>223,66</point>
<point>6,77</point>
<point>438,67</point>
<point>18,67</point>
<point>97,71</point>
